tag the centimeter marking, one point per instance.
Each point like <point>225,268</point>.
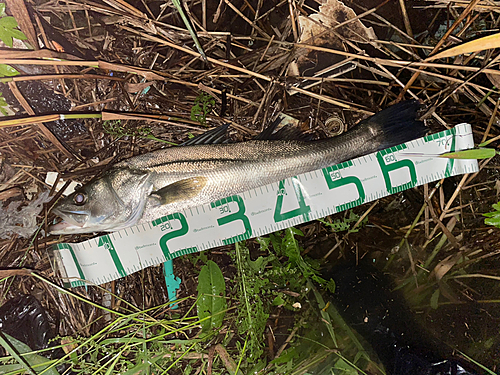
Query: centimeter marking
<point>264,210</point>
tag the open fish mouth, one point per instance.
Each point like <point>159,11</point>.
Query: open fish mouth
<point>63,227</point>
<point>69,223</point>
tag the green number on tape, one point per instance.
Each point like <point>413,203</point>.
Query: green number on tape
<point>388,163</point>
<point>106,242</point>
<point>174,234</point>
<point>239,215</point>
<point>334,180</point>
<point>451,162</point>
<point>303,209</point>
<point>443,139</point>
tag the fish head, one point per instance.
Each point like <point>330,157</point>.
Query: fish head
<point>109,203</point>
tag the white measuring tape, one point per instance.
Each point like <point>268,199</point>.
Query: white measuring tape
<point>257,212</point>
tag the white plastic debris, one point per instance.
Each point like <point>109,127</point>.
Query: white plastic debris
<point>51,180</point>
<point>21,221</point>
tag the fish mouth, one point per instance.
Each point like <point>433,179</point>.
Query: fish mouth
<point>71,223</point>
<point>63,228</point>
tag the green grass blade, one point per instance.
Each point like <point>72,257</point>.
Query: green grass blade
<point>480,153</point>
<point>192,31</point>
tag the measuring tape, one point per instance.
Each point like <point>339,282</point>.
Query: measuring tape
<point>272,207</point>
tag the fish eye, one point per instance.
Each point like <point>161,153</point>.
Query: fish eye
<point>80,199</point>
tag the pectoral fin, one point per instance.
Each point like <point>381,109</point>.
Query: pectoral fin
<point>181,190</point>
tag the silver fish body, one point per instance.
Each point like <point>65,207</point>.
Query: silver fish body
<point>155,184</point>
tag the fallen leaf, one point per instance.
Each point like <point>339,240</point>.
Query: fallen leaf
<point>476,45</point>
<point>443,267</point>
<point>316,29</point>
<point>494,78</point>
<point>15,272</point>
<point>333,24</point>
<point>135,87</point>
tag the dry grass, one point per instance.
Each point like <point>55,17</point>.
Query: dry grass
<point>249,45</point>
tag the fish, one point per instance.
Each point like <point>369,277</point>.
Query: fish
<point>146,187</point>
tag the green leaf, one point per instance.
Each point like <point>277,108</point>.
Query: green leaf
<point>142,368</point>
<point>339,225</point>
<point>258,265</point>
<point>31,362</point>
<point>495,221</point>
<point>331,286</point>
<point>9,22</point>
<point>203,105</point>
<point>8,31</point>
<point>287,356</point>
<point>7,71</point>
<point>258,367</point>
<point>435,299</point>
<point>345,367</point>
<point>480,153</point>
<point>3,104</point>
<point>2,10</point>
<point>278,301</point>
<point>493,217</point>
<point>211,303</point>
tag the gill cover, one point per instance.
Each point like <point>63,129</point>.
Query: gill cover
<point>114,201</point>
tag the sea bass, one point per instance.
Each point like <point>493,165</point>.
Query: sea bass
<point>146,187</point>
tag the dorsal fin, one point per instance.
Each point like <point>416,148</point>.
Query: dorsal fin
<point>286,132</point>
<point>267,133</point>
<point>210,137</point>
<point>218,135</point>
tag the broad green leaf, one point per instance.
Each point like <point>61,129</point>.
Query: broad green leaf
<point>481,153</point>
<point>435,299</point>
<point>495,221</point>
<point>8,31</point>
<point>211,303</point>
<point>345,367</point>
<point>36,362</point>
<point>278,301</point>
<point>258,265</point>
<point>258,367</point>
<point>3,104</point>
<point>7,71</point>
<point>4,369</point>
<point>493,218</point>
<point>286,356</point>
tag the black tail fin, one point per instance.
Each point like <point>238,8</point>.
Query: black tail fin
<point>399,124</point>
